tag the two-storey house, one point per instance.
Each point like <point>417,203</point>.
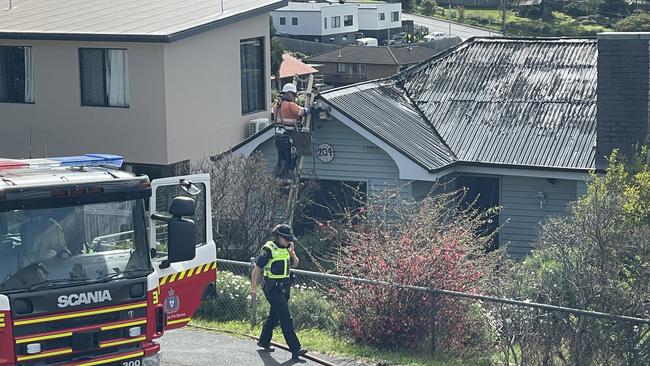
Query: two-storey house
<point>158,81</point>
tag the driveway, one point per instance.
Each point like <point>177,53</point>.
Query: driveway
<point>457,30</point>
<point>192,347</point>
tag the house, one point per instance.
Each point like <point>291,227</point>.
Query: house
<point>514,120</point>
<point>320,22</point>
<point>352,64</point>
<point>338,23</point>
<point>157,81</point>
<point>380,20</point>
<point>291,67</point>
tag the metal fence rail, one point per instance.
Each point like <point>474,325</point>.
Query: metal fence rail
<point>313,305</point>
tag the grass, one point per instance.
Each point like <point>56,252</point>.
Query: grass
<point>325,343</point>
<point>560,24</point>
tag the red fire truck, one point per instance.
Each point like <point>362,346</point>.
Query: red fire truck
<point>96,262</point>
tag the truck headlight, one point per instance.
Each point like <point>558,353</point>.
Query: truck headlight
<point>153,360</point>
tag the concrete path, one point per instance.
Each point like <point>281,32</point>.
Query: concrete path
<point>457,30</point>
<point>192,347</point>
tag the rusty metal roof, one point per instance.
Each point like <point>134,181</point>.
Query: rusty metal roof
<point>509,102</point>
<point>383,109</point>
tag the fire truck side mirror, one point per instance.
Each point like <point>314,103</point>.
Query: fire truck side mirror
<point>181,231</point>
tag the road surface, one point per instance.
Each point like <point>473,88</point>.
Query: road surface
<point>192,347</point>
<point>457,30</point>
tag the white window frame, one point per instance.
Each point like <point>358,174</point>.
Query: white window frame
<point>394,16</point>
<point>336,22</point>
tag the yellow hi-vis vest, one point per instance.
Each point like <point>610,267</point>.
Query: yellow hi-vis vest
<point>277,255</point>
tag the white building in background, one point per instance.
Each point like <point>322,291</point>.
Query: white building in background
<point>337,23</point>
<point>380,20</point>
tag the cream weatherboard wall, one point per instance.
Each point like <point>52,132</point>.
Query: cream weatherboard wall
<point>202,89</point>
<point>58,123</point>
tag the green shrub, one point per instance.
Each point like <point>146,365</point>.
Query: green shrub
<point>634,23</point>
<point>575,9</point>
<point>309,307</point>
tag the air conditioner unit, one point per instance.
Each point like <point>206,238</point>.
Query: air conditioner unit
<point>256,125</point>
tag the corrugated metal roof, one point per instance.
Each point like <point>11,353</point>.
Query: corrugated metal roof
<point>383,109</point>
<point>512,102</point>
<point>507,102</point>
<point>381,55</point>
<point>124,20</point>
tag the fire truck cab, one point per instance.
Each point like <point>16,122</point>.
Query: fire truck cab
<point>96,263</point>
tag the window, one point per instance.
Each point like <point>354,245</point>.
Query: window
<point>253,87</point>
<point>294,21</point>
<point>164,197</point>
<point>336,22</point>
<point>104,75</point>
<point>325,23</point>
<point>359,69</point>
<point>347,20</point>
<point>340,67</point>
<point>16,84</point>
<point>382,16</point>
<point>394,16</point>
<point>283,21</point>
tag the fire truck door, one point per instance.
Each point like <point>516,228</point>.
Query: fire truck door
<point>183,285</point>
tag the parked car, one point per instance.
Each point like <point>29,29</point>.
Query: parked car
<point>396,40</point>
<point>367,41</point>
<point>434,36</point>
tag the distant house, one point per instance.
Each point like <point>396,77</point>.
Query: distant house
<point>380,20</point>
<point>352,64</point>
<point>291,67</point>
<point>320,22</point>
<point>338,23</point>
<point>513,120</point>
<point>158,81</point>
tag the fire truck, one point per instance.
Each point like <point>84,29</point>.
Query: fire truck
<point>96,262</point>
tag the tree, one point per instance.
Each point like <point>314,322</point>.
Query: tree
<point>247,202</point>
<point>634,23</point>
<point>595,258</point>
<point>613,8</point>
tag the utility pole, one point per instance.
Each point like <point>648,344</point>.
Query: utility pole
<point>449,19</point>
<point>504,14</point>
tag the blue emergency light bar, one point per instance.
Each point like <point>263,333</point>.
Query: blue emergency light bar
<point>106,160</point>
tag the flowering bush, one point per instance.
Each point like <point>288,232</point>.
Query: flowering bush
<point>432,243</point>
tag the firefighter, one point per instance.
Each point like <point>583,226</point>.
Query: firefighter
<point>273,262</point>
<point>288,114</point>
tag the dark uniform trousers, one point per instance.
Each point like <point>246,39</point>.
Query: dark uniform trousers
<point>277,294</point>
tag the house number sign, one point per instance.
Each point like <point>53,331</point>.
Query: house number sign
<point>325,152</point>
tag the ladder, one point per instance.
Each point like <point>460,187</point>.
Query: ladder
<point>295,182</point>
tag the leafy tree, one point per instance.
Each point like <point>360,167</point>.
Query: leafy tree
<point>596,258</point>
<point>634,23</point>
<point>613,8</point>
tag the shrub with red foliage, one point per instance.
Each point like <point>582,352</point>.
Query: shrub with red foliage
<point>434,243</point>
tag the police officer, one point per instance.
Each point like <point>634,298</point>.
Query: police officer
<point>273,263</point>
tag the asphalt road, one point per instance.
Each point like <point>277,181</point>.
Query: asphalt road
<point>457,30</point>
<point>192,347</point>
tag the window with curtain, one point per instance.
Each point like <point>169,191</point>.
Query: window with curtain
<point>336,22</point>
<point>104,75</point>
<point>16,75</point>
<point>395,16</point>
<point>253,84</point>
<point>382,16</point>
<point>340,67</point>
<point>347,21</point>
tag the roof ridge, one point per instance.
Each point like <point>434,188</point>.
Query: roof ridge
<point>392,55</point>
<point>451,152</point>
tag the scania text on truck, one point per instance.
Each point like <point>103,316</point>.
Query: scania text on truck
<point>96,262</point>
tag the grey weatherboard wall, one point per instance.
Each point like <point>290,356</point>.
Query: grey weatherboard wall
<point>521,213</point>
<point>355,159</point>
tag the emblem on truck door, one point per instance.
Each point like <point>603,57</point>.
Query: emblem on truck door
<point>172,302</point>
<point>84,298</point>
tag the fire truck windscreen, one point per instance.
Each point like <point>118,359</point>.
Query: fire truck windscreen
<point>53,247</point>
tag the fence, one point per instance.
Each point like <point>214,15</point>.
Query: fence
<point>307,47</point>
<point>514,331</point>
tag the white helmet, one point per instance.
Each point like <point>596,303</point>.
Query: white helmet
<point>289,87</point>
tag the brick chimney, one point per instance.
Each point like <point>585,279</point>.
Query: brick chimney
<point>623,90</point>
